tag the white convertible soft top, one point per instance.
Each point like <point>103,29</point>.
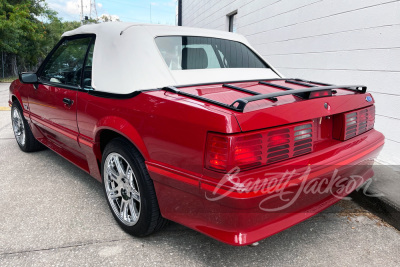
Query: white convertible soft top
<point>126,58</point>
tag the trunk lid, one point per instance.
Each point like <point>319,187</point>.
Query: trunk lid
<point>286,110</point>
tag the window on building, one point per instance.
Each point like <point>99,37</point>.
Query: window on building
<point>232,22</point>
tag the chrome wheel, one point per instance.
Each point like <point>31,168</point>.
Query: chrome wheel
<point>18,126</point>
<point>122,189</point>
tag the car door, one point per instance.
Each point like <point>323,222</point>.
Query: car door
<point>53,101</point>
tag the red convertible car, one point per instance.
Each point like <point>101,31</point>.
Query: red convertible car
<point>194,126</point>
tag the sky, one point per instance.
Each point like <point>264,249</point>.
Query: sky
<point>140,11</point>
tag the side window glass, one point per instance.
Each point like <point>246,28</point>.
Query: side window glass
<point>87,71</point>
<point>65,65</point>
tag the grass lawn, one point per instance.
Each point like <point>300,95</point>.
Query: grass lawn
<point>7,80</point>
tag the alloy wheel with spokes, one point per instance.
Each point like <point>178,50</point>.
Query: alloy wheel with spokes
<point>122,189</point>
<point>22,130</point>
<point>18,126</point>
<point>129,189</point>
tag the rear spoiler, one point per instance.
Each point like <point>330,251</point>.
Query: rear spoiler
<point>240,104</point>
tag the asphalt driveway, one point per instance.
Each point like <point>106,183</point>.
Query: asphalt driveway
<point>52,213</point>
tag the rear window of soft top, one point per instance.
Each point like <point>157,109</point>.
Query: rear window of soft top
<point>191,52</point>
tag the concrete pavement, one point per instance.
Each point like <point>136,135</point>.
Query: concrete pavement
<point>52,213</point>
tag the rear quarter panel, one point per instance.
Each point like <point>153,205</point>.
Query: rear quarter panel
<point>166,130</point>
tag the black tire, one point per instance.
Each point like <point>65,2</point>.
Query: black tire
<point>150,219</point>
<point>30,143</point>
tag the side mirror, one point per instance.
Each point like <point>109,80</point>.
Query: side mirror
<point>28,77</point>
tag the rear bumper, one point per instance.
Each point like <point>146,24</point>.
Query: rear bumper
<point>245,208</point>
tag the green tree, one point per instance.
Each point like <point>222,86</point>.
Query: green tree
<point>29,29</point>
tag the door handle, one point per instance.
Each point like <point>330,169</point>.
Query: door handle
<point>68,101</point>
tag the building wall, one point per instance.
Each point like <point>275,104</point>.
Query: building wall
<point>333,41</point>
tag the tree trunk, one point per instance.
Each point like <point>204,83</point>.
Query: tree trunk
<point>3,64</point>
<point>14,68</point>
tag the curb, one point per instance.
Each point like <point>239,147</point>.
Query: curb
<point>380,206</point>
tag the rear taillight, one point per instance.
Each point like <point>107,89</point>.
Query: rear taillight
<point>225,152</point>
<point>217,152</point>
<point>247,151</point>
<point>353,123</point>
<point>289,142</point>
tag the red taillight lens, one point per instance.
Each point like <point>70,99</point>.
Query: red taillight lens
<point>247,151</point>
<point>318,94</point>
<point>225,152</point>
<point>289,142</point>
<point>278,137</point>
<point>217,152</point>
<point>353,123</point>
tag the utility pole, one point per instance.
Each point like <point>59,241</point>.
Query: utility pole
<point>92,9</point>
<point>81,12</point>
<point>95,9</point>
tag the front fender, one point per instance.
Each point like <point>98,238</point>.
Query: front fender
<point>14,92</point>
